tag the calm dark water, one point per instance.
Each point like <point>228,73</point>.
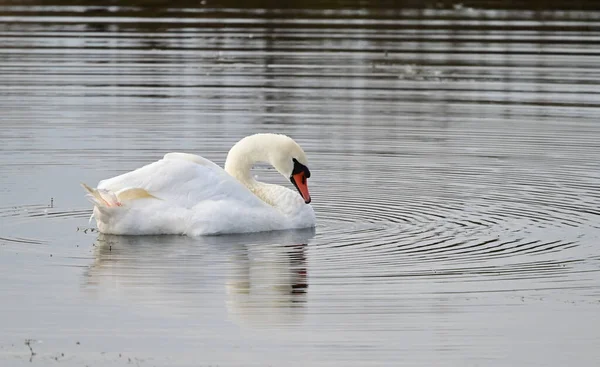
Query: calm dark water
<point>455,157</point>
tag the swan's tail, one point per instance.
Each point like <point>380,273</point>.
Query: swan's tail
<point>105,200</point>
<point>102,197</point>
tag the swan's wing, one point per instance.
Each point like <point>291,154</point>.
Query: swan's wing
<point>182,180</point>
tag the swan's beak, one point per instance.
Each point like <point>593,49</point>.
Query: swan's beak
<point>299,180</point>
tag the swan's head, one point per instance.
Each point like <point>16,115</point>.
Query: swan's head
<point>284,154</point>
<point>289,159</point>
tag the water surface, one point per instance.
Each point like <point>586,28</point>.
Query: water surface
<point>455,173</point>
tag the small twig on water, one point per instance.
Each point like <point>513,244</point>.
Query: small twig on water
<point>28,343</point>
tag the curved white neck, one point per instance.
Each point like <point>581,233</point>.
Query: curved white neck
<point>242,157</point>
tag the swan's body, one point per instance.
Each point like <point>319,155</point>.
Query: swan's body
<point>188,194</point>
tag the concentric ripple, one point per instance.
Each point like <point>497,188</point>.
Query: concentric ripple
<point>35,218</point>
<point>472,220</point>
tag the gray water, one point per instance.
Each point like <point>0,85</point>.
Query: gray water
<point>454,153</point>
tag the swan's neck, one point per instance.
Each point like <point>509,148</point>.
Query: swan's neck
<point>243,156</point>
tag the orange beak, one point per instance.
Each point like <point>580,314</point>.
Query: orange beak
<point>299,180</point>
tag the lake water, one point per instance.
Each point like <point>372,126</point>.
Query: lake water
<point>455,159</point>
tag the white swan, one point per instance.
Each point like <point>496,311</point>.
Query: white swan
<point>188,194</point>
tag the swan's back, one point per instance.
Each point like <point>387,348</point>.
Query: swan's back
<point>183,181</point>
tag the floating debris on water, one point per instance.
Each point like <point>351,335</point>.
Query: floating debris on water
<point>86,229</point>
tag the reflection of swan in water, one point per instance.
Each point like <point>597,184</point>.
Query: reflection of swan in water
<point>268,284</point>
<point>261,277</point>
